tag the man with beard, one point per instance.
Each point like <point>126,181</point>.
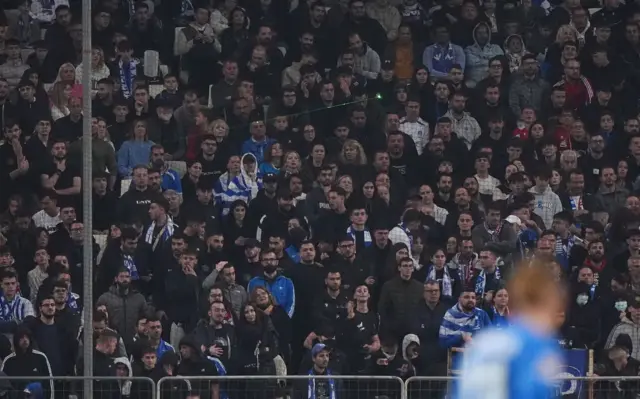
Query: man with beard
<point>354,269</point>
<point>462,321</point>
<point>214,336</point>
<point>123,252</point>
<point>279,286</point>
<point>53,340</point>
<point>26,361</point>
<point>597,262</point>
<point>124,305</point>
<point>61,176</point>
<point>102,104</point>
<point>277,221</point>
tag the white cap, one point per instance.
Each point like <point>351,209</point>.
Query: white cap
<point>513,219</point>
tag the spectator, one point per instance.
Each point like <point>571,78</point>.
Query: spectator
<point>462,321</point>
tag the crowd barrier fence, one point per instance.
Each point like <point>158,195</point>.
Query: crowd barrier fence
<point>72,387</point>
<point>292,387</point>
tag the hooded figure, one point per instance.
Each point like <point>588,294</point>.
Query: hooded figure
<point>28,362</point>
<point>411,351</point>
<point>245,186</point>
<point>194,363</point>
<point>479,54</point>
<point>125,385</point>
<point>514,49</point>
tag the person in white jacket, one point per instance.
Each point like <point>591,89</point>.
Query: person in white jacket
<point>547,202</point>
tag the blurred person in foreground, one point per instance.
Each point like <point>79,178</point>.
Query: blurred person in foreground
<point>519,361</point>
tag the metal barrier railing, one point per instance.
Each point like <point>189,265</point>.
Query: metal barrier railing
<point>293,387</point>
<point>576,387</point>
<point>72,387</point>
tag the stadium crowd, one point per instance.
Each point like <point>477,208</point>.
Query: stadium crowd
<point>312,188</point>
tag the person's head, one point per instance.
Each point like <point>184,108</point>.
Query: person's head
<point>458,102</point>
<point>333,280</point>
<point>269,261</point>
<point>487,259</point>
<point>405,268</point>
<point>320,354</point>
<point>467,300</point>
<point>47,307</point>
<point>154,328</point>
<point>106,342</point>
<point>535,293</point>
<point>585,275</point>
<point>217,312</point>
<point>307,252</point>
<point>431,292</point>
<point>442,34</point>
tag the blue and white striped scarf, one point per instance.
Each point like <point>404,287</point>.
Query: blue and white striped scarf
<point>165,233</point>
<point>72,300</point>
<point>447,289</point>
<point>563,251</point>
<point>367,236</point>
<point>12,311</point>
<point>311,388</point>
<point>130,264</point>
<point>481,281</point>
<point>226,190</point>
<point>406,230</point>
<point>127,77</point>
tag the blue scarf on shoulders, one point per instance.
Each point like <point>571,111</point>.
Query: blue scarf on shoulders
<point>481,281</point>
<point>367,236</point>
<point>311,389</point>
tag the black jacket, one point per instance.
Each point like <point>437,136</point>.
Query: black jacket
<point>28,363</point>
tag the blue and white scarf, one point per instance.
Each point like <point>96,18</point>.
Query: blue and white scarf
<point>576,207</point>
<point>563,251</point>
<point>481,281</point>
<point>72,300</point>
<point>447,286</point>
<point>406,230</point>
<point>311,388</point>
<point>127,77</point>
<point>222,371</point>
<point>443,57</point>
<point>130,264</point>
<point>11,311</point>
<point>367,236</point>
<point>165,233</point>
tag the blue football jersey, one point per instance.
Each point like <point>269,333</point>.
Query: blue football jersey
<point>511,363</point>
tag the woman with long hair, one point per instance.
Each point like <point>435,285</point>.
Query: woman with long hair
<point>136,150</point>
<point>264,301</point>
<point>59,96</point>
<point>314,161</point>
<point>352,159</point>
<point>99,69</point>
<point>498,308</point>
<point>237,229</point>
<point>273,159</point>
<point>256,350</point>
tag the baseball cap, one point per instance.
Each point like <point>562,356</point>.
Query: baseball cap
<point>317,348</point>
<point>513,219</point>
<point>270,177</point>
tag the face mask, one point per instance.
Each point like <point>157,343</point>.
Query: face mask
<point>621,306</point>
<point>582,299</point>
<point>270,269</point>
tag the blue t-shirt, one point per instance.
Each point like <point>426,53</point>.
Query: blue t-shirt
<point>514,362</point>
